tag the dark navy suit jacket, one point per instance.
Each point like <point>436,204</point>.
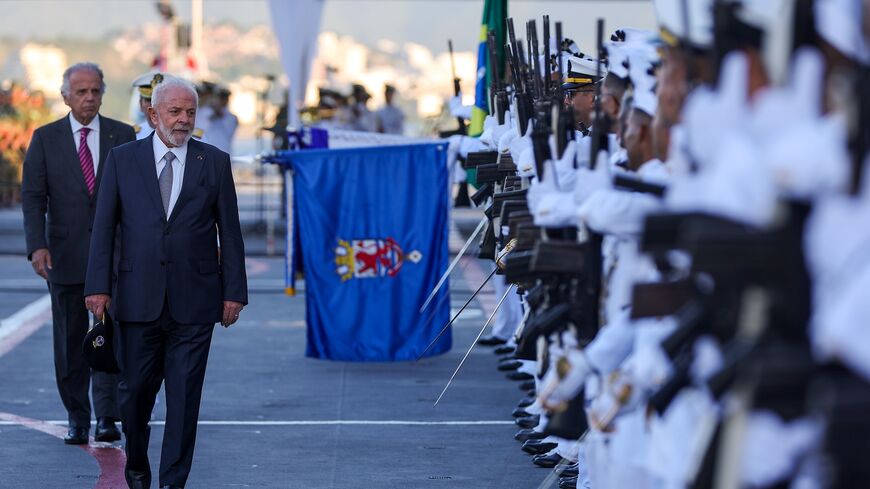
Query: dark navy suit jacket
<point>176,259</point>
<point>53,183</point>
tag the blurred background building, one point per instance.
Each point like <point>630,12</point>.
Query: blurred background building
<point>233,43</point>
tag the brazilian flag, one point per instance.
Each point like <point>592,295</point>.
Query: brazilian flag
<point>494,14</point>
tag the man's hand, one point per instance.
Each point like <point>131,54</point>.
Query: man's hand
<point>41,262</point>
<point>231,313</point>
<point>98,304</point>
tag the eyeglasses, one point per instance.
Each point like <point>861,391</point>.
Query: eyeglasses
<point>569,94</point>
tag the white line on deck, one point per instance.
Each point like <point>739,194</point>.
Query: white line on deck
<point>17,327</point>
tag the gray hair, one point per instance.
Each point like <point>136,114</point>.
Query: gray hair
<point>84,66</point>
<point>172,82</point>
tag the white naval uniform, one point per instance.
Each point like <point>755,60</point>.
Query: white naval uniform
<point>143,131</point>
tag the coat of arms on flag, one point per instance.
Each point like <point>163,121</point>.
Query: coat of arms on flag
<point>371,258</point>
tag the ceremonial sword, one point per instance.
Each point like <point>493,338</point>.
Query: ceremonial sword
<point>506,292</point>
<point>446,274</point>
<point>507,249</point>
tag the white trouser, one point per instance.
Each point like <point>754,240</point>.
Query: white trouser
<point>509,315</point>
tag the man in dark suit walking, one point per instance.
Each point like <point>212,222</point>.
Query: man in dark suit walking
<point>172,198</point>
<point>62,172</point>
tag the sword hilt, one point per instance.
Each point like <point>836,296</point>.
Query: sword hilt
<point>505,252</point>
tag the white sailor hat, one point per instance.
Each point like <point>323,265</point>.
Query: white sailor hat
<point>146,82</point>
<point>675,29</point>
<point>617,49</point>
<point>642,61</point>
<point>630,35</point>
<point>581,71</point>
<point>839,22</point>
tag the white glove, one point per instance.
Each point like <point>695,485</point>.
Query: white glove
<point>796,137</point>
<point>555,391</point>
<point>556,209</point>
<point>549,203</point>
<point>652,367</point>
<point>470,145</point>
<point>526,163</point>
<point>501,129</point>
<point>457,109</point>
<point>773,448</point>
<point>504,142</point>
<point>736,184</point>
<point>565,172</point>
<point>709,114</point>
<point>588,181</point>
<point>519,145</point>
<point>708,360</point>
<point>541,187</point>
<point>490,123</point>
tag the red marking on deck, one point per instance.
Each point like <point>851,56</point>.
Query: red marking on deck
<point>110,459</point>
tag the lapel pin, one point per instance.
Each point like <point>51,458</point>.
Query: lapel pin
<point>199,157</point>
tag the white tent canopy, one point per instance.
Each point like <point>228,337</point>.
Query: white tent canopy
<point>296,24</point>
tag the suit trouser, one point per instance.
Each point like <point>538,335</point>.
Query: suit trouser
<point>70,324</point>
<point>149,354</point>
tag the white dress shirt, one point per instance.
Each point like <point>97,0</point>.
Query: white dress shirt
<point>180,152</point>
<point>93,137</point>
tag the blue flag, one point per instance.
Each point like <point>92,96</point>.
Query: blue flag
<point>372,225</point>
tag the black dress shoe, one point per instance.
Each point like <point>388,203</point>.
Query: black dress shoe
<point>538,447</point>
<point>529,421</point>
<point>76,436</point>
<point>529,434</point>
<point>491,341</point>
<point>106,430</point>
<point>520,413</point>
<point>509,365</point>
<point>528,385</point>
<point>520,376</point>
<point>526,401</point>
<point>547,461</point>
<point>137,479</point>
<point>571,470</point>
<point>505,349</point>
<point>568,482</point>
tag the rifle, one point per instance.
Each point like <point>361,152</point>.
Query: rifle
<point>541,130</point>
<point>456,88</point>
<point>546,73</point>
<point>498,96</point>
<point>524,108</point>
<point>600,123</point>
<point>563,116</point>
<point>591,291</point>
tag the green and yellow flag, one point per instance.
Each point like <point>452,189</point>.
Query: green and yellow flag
<point>494,14</point>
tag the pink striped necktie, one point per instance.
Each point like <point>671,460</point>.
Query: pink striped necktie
<point>87,160</point>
